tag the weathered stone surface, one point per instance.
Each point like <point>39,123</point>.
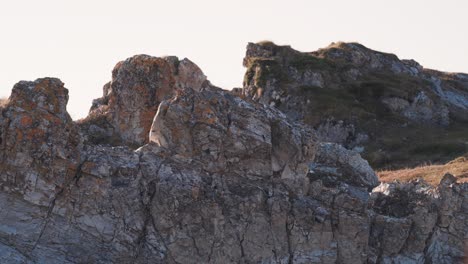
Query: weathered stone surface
<point>422,109</point>
<point>39,142</point>
<point>334,163</point>
<point>130,101</point>
<point>361,98</point>
<point>228,134</point>
<point>420,217</point>
<point>221,180</point>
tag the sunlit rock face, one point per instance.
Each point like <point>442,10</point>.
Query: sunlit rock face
<point>169,169</point>
<point>39,142</point>
<point>125,112</point>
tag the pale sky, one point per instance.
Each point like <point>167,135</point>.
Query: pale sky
<point>81,41</point>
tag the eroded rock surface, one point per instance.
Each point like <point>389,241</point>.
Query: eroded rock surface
<point>39,141</point>
<point>416,222</point>
<point>362,99</point>
<point>220,180</point>
<point>125,112</point>
<point>337,162</point>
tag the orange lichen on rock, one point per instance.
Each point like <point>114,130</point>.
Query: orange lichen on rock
<point>39,137</point>
<point>35,134</point>
<point>26,121</point>
<point>138,86</point>
<point>209,116</point>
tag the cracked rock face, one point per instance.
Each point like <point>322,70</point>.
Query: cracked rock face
<point>337,162</point>
<point>39,141</point>
<point>354,96</point>
<point>220,180</point>
<point>131,99</point>
<point>416,222</point>
<point>228,134</point>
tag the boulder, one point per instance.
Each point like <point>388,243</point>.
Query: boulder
<point>335,163</point>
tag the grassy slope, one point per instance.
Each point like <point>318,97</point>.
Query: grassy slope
<point>395,142</point>
<point>430,173</point>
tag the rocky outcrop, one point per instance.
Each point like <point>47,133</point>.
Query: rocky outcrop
<point>39,141</point>
<point>131,99</point>
<point>416,222</point>
<point>334,164</point>
<point>229,134</point>
<point>342,133</point>
<point>362,98</point>
<point>220,180</point>
<point>421,109</point>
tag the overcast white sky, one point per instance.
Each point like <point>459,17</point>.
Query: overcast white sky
<point>81,41</point>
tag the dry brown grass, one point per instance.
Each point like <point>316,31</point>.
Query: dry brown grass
<point>430,173</point>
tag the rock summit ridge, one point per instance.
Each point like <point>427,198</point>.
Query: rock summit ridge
<point>168,168</point>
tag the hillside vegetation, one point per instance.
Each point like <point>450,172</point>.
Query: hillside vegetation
<point>396,113</point>
<point>432,174</point>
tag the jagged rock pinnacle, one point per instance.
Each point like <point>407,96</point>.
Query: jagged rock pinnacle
<point>131,99</point>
